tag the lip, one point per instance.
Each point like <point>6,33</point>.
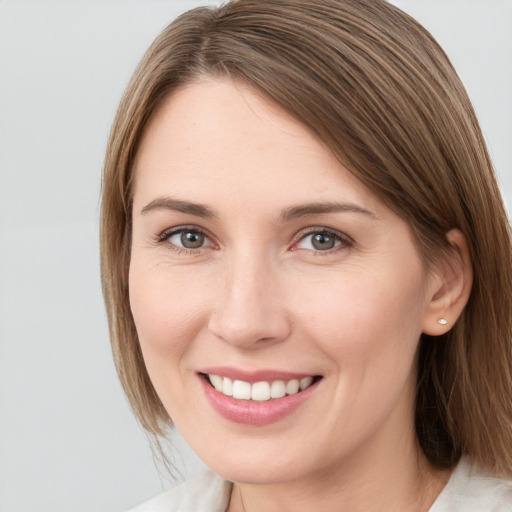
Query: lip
<point>253,376</point>
<point>248,412</point>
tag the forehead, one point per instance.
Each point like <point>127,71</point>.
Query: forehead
<point>221,140</point>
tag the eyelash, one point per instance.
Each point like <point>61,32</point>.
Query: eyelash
<point>344,240</point>
<point>167,234</point>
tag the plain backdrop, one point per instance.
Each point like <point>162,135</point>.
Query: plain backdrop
<point>68,441</point>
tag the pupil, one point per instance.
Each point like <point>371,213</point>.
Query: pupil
<point>192,239</point>
<point>323,241</point>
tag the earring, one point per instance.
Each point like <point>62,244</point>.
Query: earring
<point>442,321</point>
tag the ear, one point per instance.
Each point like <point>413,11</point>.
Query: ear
<point>449,286</point>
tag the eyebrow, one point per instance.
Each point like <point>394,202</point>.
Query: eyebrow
<point>305,210</point>
<point>293,212</point>
<point>168,203</point>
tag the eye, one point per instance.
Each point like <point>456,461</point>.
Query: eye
<point>322,240</point>
<point>186,238</point>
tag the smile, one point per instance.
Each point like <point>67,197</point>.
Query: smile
<point>257,398</point>
<point>259,391</point>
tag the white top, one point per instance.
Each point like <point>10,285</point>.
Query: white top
<point>467,490</point>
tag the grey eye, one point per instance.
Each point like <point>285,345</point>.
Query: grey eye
<point>192,239</point>
<point>321,241</point>
<point>188,239</point>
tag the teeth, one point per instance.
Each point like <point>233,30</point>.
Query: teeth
<point>278,389</point>
<point>217,382</point>
<point>259,391</point>
<point>292,387</point>
<point>241,390</point>
<point>227,386</point>
<point>305,382</point>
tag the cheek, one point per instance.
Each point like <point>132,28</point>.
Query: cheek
<point>366,323</point>
<point>168,311</point>
<point>369,332</point>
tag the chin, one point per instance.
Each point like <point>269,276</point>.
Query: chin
<point>257,473</point>
<point>258,461</point>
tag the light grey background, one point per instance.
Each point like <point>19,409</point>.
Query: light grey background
<point>68,441</point>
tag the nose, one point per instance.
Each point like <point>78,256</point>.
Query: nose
<point>250,311</point>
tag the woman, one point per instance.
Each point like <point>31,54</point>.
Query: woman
<point>306,263</point>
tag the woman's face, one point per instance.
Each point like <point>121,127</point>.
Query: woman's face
<point>261,266</point>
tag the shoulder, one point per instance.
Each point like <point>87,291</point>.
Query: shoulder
<point>205,493</point>
<point>471,490</point>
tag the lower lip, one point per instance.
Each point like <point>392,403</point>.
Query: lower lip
<point>248,412</point>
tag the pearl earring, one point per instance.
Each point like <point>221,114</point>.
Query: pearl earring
<point>442,321</point>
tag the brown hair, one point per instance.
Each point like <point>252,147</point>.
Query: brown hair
<point>383,96</point>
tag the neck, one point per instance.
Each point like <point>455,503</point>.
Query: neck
<point>401,482</point>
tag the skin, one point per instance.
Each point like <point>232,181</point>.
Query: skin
<point>259,295</point>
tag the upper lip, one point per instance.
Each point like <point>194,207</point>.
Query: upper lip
<point>253,376</point>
